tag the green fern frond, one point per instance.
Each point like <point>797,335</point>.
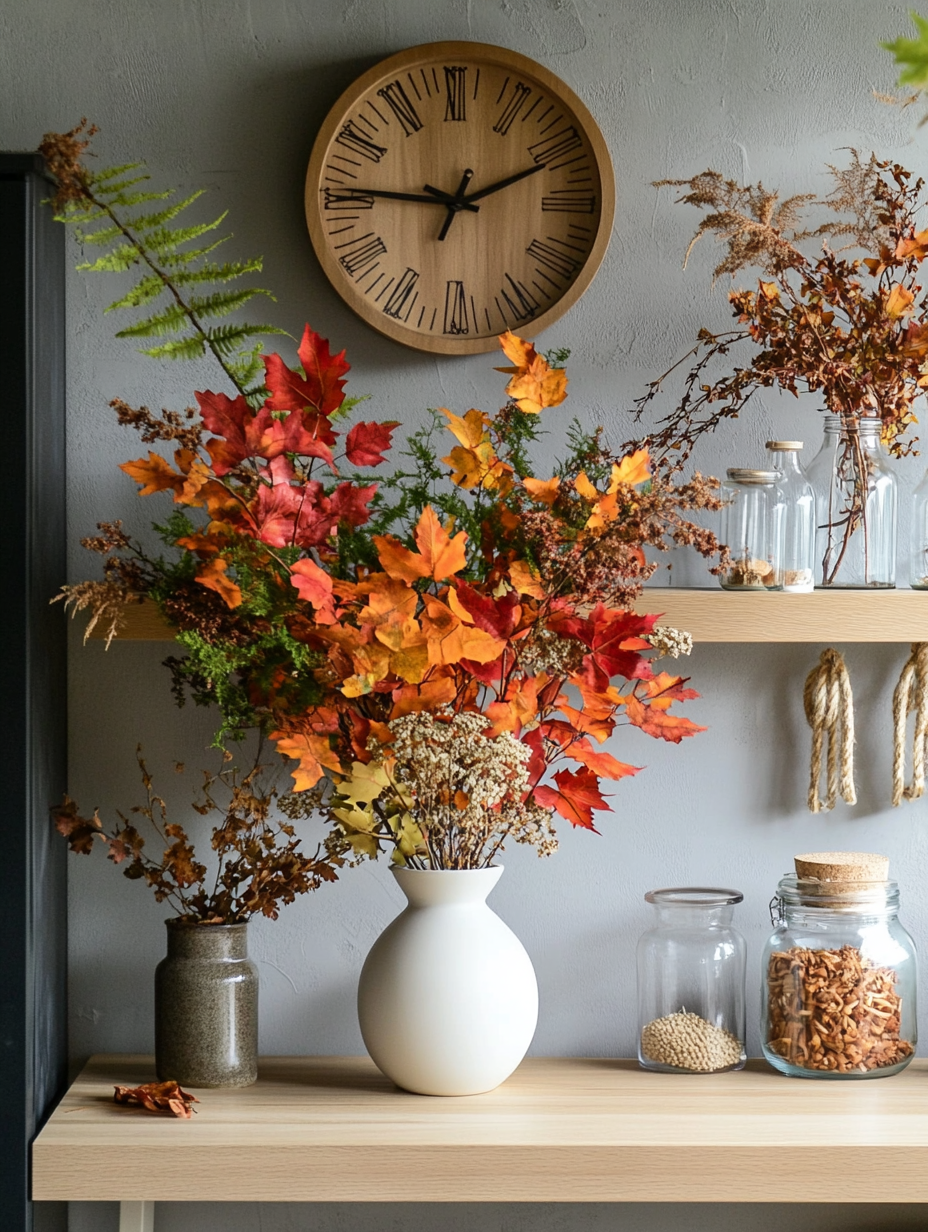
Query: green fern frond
<point>168,321</point>
<point>179,348</point>
<point>121,258</point>
<point>143,292</point>
<point>146,222</point>
<point>175,264</point>
<point>98,178</point>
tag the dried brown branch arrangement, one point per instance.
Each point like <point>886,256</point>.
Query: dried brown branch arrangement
<point>852,329</point>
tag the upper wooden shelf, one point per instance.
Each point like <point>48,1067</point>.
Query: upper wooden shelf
<point>560,1130</point>
<point>716,615</point>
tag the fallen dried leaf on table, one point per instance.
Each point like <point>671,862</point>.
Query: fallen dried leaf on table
<point>158,1097</point>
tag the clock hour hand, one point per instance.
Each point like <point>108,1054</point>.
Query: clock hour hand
<point>436,198</point>
<point>510,179</point>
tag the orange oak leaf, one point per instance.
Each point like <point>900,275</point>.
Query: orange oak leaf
<point>155,474</point>
<point>525,580</point>
<point>575,796</point>
<point>312,751</point>
<point>656,722</point>
<point>411,698</point>
<point>634,468</point>
<point>167,1097</point>
<point>602,764</point>
<point>545,491</point>
<point>213,577</point>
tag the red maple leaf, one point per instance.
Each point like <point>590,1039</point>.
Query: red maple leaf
<point>496,616</point>
<point>576,795</point>
<point>348,503</point>
<point>321,387</point>
<point>366,442</point>
<point>230,419</point>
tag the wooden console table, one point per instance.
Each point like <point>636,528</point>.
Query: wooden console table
<point>333,1129</point>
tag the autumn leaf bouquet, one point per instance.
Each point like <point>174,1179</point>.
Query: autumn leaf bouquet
<point>440,641</point>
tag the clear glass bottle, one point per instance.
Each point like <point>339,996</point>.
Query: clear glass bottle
<point>855,504</point>
<point>798,516</point>
<point>839,981</point>
<point>752,527</point>
<point>918,553</point>
<point>691,983</point>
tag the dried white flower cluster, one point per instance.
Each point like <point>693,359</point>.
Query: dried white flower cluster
<point>546,652</point>
<point>466,788</point>
<point>670,642</point>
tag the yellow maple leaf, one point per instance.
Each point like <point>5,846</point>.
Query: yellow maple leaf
<point>634,468</point>
<point>471,429</point>
<point>585,488</point>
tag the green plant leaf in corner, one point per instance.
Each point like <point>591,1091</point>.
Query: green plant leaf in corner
<point>912,55</point>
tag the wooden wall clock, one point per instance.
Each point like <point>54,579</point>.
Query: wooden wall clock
<point>457,190</point>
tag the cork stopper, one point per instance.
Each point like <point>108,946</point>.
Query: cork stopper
<point>846,867</point>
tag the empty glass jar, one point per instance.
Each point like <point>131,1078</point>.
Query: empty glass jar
<point>691,966</point>
<point>855,500</point>
<point>839,981</point>
<point>798,499</point>
<point>752,528</point>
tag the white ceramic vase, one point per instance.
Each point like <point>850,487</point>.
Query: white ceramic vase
<point>448,1000</point>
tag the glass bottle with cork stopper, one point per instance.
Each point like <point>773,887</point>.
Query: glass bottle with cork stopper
<point>798,497</point>
<point>840,971</point>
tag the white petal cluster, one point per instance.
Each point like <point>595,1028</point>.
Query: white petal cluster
<point>669,642</point>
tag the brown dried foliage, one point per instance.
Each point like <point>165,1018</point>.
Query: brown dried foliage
<point>833,1010</point>
<point>855,331</point>
<point>258,862</point>
<point>62,153</point>
<point>167,1097</point>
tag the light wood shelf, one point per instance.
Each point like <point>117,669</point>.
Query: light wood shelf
<point>716,615</point>
<point>560,1130</point>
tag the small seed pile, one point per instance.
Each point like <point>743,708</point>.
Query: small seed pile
<point>833,1010</point>
<point>687,1041</point>
<point>751,572</point>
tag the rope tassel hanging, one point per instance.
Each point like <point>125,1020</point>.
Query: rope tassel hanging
<point>829,706</point>
<point>911,694</point>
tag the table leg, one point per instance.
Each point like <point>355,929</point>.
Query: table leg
<point>136,1217</point>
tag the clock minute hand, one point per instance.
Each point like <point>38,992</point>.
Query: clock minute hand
<point>492,188</point>
<point>435,199</point>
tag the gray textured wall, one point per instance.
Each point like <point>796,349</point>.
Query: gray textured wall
<point>230,95</point>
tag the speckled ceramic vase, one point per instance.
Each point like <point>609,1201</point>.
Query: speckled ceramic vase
<point>206,1007</point>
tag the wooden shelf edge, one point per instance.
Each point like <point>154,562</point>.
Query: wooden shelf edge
<point>716,615</point>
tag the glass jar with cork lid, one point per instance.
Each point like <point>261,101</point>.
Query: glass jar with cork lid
<point>691,966</point>
<point>840,971</point>
<point>752,529</point>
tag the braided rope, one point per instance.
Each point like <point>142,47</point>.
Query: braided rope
<point>829,707</point>
<point>911,693</point>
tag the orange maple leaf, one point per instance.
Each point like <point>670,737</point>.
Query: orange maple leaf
<point>213,577</point>
<point>545,491</point>
<point>411,698</point>
<point>634,468</point>
<point>535,384</point>
<point>899,302</point>
<point>155,474</point>
<point>314,586</point>
<point>525,580</point>
<point>312,751</point>
<point>658,723</point>
<point>602,764</point>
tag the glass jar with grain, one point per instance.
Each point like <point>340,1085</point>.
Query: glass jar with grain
<point>691,965</point>
<point>840,972</point>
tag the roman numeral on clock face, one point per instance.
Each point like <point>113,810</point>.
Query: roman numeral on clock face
<point>551,259</point>
<point>569,201</point>
<point>403,296</point>
<point>456,321</point>
<point>361,253</point>
<point>358,142</point>
<point>398,101</point>
<point>345,199</point>
<point>564,141</point>
<point>455,93</point>
<point>514,103</point>
<point>521,302</point>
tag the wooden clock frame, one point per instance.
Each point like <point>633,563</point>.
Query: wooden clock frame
<point>345,149</point>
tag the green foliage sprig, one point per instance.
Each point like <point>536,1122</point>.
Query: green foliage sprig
<point>188,290</point>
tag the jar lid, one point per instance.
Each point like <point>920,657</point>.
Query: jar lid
<point>843,866</point>
<point>784,446</point>
<point>694,896</point>
<point>742,475</point>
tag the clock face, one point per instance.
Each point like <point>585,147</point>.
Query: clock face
<point>456,191</point>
